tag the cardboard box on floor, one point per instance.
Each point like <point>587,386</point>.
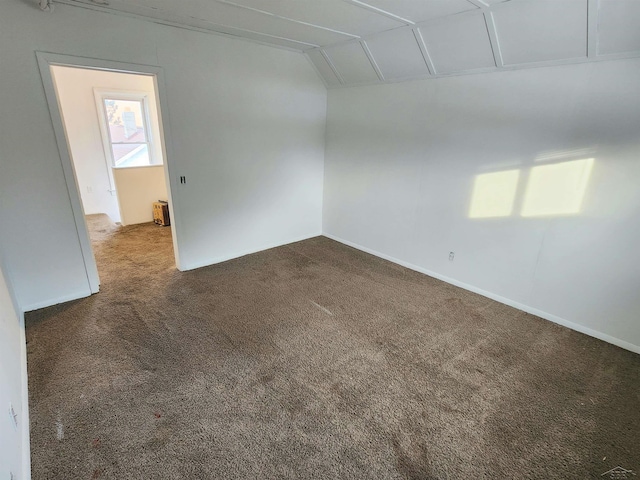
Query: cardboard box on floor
<point>161,213</point>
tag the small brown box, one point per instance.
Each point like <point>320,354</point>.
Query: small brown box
<point>161,213</point>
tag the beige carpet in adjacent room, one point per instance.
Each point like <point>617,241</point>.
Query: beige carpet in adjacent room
<point>313,361</point>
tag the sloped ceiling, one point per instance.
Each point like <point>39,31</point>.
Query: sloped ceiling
<point>354,42</point>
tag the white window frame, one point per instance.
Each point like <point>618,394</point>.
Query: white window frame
<point>128,95</point>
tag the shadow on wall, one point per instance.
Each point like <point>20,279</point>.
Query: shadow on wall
<point>555,186</point>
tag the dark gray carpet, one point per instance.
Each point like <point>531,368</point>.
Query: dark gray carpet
<point>313,361</point>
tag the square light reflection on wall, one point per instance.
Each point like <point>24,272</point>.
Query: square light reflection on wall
<point>494,194</point>
<point>557,189</point>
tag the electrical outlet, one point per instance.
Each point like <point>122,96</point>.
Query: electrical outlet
<point>14,417</point>
<point>451,255</point>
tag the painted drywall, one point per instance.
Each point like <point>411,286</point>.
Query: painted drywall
<point>247,124</point>
<point>14,439</point>
<point>75,89</point>
<point>490,167</point>
<point>138,188</point>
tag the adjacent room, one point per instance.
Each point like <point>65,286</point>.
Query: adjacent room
<point>355,239</point>
<point>112,126</point>
<point>113,130</point>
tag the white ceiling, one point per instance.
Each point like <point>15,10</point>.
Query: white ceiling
<point>354,42</point>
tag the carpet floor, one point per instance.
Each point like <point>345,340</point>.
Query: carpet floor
<point>313,361</point>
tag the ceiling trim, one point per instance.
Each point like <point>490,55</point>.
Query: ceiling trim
<point>374,64</point>
<point>506,68</point>
<point>333,67</point>
<point>493,38</point>
<point>219,28</point>
<point>423,49</point>
<point>167,18</point>
<point>480,4</point>
<point>423,24</point>
<point>288,19</point>
<point>371,8</point>
<point>317,70</point>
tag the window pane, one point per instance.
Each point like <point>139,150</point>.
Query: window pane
<point>130,155</point>
<point>126,120</point>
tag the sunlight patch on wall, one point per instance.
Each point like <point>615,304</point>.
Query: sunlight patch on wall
<point>494,194</point>
<point>559,155</point>
<point>557,189</point>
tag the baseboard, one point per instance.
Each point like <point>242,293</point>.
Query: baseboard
<point>242,253</point>
<point>26,438</point>
<point>56,301</point>
<point>520,306</point>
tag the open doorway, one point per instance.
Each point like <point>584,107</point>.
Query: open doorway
<point>112,127</point>
<point>113,149</point>
<point>113,130</point>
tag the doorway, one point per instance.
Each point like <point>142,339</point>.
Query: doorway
<point>112,127</point>
<point>107,119</point>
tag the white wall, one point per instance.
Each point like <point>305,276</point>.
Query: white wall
<point>138,188</point>
<point>75,89</point>
<point>14,441</point>
<point>402,159</point>
<point>247,127</point>
<point>249,135</point>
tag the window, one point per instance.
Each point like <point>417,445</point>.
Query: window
<point>126,119</point>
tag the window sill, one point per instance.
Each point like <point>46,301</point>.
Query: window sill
<point>139,166</point>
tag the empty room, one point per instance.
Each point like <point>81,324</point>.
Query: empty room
<point>328,239</point>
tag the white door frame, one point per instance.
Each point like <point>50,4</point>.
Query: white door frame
<point>45,61</point>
